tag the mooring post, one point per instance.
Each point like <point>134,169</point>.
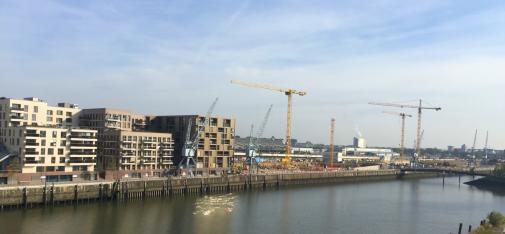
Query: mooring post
<point>25,198</point>
<point>469,228</point>
<point>52,194</point>
<point>460,228</point>
<point>75,193</point>
<point>44,195</point>
<point>100,192</point>
<point>145,190</point>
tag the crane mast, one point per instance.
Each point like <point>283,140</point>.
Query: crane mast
<point>402,138</point>
<point>332,139</point>
<point>474,141</point>
<point>485,146</point>
<point>420,109</point>
<point>289,93</point>
<point>472,159</point>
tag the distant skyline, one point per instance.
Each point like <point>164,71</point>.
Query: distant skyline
<point>175,57</point>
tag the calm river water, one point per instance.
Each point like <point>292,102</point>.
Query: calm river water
<point>409,206</point>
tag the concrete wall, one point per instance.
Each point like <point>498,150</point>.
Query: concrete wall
<point>49,194</point>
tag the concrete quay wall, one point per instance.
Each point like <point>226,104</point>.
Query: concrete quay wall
<point>53,194</point>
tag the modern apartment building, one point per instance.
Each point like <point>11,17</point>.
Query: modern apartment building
<point>124,143</point>
<point>35,112</point>
<point>138,150</point>
<point>215,148</point>
<point>109,118</point>
<point>47,139</point>
<point>50,149</point>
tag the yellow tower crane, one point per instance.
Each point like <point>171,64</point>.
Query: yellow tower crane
<point>332,139</point>
<point>420,109</point>
<point>402,140</point>
<point>287,92</point>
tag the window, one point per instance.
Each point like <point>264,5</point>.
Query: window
<point>53,160</point>
<point>26,108</point>
<point>25,116</point>
<point>34,117</point>
<point>42,160</point>
<point>50,151</point>
<point>69,114</point>
<point>49,112</point>
<point>68,120</point>
<point>43,151</point>
<point>63,135</point>
<point>55,134</point>
<point>62,160</point>
<point>59,112</point>
<point>63,143</point>
<point>60,151</point>
<point>35,109</point>
<point>49,119</point>
<point>43,134</point>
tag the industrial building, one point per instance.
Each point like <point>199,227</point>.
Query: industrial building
<point>361,152</point>
<point>45,142</point>
<point>274,149</point>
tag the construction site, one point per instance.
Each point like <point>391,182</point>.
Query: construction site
<point>126,145</point>
<point>258,156</point>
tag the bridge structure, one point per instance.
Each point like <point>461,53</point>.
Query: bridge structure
<point>483,171</point>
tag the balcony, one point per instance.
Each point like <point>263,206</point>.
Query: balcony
<point>82,153</point>
<point>82,160</point>
<point>32,152</point>
<point>78,145</point>
<point>16,117</point>
<point>32,143</point>
<point>149,156</point>
<point>75,136</point>
<point>148,162</point>
<point>27,162</point>
<point>129,163</point>
<point>112,119</point>
<point>149,142</point>
<point>17,108</point>
<point>148,149</point>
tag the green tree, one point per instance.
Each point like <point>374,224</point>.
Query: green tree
<point>496,219</point>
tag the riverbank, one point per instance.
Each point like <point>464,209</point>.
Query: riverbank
<point>53,194</point>
<point>488,182</point>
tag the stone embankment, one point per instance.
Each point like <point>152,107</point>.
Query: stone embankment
<point>75,193</point>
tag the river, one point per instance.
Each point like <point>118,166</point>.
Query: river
<point>407,206</point>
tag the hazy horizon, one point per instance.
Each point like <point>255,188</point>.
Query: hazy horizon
<point>162,57</point>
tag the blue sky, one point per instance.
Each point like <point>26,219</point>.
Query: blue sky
<point>172,57</point>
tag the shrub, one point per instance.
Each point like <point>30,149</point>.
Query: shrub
<point>496,219</point>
